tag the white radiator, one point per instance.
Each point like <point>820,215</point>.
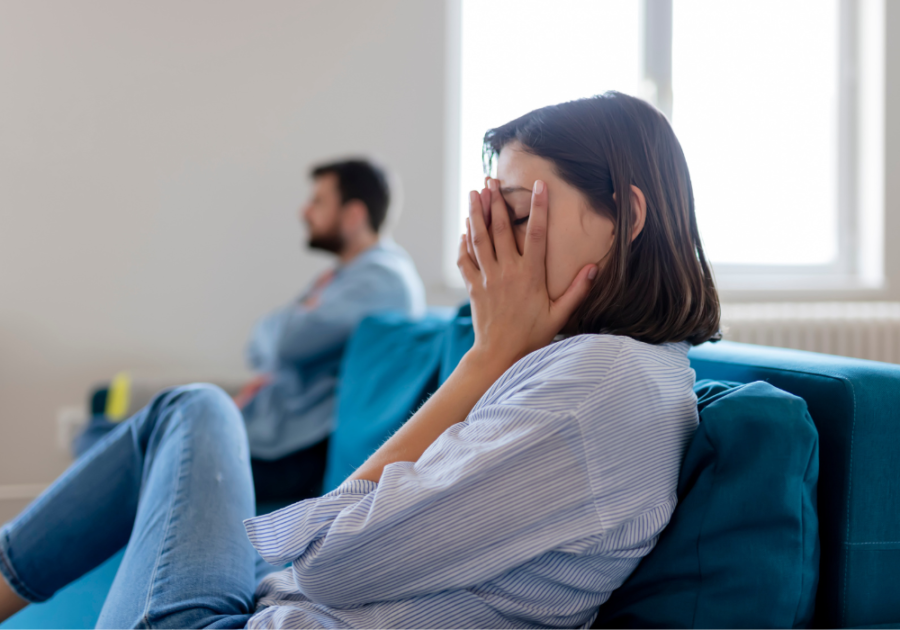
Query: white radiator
<point>865,330</point>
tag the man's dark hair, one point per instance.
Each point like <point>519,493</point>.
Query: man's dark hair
<point>362,180</point>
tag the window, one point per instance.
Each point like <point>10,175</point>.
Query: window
<point>764,95</point>
<point>758,122</point>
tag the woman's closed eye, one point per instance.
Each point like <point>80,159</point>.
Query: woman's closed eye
<point>512,217</point>
<point>516,222</point>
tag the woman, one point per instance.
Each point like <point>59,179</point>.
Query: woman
<point>521,494</point>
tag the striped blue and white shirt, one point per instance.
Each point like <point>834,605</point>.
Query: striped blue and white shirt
<point>528,513</point>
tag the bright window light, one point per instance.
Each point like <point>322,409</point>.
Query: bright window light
<point>755,93</point>
<point>518,55</point>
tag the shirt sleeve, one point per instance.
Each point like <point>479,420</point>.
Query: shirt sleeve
<point>262,350</point>
<point>491,493</point>
<point>295,334</point>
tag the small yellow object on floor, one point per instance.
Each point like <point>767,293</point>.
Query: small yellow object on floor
<point>118,397</point>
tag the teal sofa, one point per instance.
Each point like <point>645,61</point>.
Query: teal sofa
<point>856,408</point>
<point>854,404</point>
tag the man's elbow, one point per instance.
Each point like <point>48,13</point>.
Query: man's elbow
<point>297,355</point>
<point>314,346</point>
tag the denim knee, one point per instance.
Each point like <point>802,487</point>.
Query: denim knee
<point>200,394</point>
<point>206,397</point>
<point>204,406</point>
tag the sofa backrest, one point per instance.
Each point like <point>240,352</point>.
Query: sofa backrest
<point>390,367</point>
<point>855,405</point>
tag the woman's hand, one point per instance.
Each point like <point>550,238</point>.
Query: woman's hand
<point>512,312</point>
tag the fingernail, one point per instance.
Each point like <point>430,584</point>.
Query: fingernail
<point>592,273</point>
<point>538,187</point>
<point>492,184</point>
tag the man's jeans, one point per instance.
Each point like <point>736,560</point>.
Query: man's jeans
<point>173,483</point>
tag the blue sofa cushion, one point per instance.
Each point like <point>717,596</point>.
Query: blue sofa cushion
<point>856,407</point>
<point>390,366</point>
<point>742,548</point>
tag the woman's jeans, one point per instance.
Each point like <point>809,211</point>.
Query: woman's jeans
<point>173,483</point>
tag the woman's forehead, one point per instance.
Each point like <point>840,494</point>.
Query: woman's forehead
<point>520,167</point>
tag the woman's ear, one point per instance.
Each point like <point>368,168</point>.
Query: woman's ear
<point>639,208</point>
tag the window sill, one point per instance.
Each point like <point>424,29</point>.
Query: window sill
<point>811,287</point>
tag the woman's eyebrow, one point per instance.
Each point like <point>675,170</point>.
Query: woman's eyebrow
<point>512,189</point>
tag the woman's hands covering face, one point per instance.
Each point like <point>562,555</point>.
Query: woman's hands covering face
<point>512,312</point>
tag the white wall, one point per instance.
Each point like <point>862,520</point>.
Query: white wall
<point>152,158</point>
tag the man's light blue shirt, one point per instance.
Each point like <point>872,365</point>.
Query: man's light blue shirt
<point>301,347</point>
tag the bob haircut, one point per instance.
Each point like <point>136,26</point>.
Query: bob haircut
<point>658,288</point>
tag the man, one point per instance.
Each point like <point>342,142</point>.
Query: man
<point>289,407</point>
<point>296,350</point>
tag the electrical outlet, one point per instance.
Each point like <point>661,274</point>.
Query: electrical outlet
<point>69,422</point>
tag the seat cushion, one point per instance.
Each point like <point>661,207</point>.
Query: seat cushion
<point>742,548</point>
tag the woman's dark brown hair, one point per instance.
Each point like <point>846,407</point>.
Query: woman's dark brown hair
<point>657,288</point>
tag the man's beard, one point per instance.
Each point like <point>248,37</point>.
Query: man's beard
<point>331,241</point>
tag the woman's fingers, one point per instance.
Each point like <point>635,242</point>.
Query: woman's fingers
<point>466,264</point>
<point>470,248</point>
<point>501,229</point>
<point>481,239</point>
<point>486,206</point>
<point>536,234</point>
<point>562,308</point>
